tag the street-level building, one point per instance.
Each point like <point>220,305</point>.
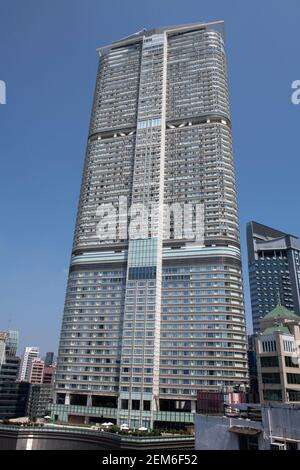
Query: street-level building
<point>278,357</point>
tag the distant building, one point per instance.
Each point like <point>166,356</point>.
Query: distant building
<point>252,367</point>
<point>10,369</point>
<point>36,371</point>
<point>3,337</point>
<point>13,399</point>
<point>49,359</point>
<point>9,362</point>
<point>274,270</point>
<point>278,357</point>
<point>42,382</point>
<point>12,343</point>
<point>48,374</point>
<point>30,352</point>
<point>13,396</point>
<point>39,398</point>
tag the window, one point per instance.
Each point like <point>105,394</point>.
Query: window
<point>124,404</point>
<point>271,378</point>
<point>273,395</point>
<point>291,361</point>
<point>269,361</point>
<point>248,442</point>
<point>293,395</point>
<point>293,378</point>
<point>147,405</point>
<point>135,404</point>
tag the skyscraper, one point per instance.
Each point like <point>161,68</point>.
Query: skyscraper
<point>30,352</point>
<point>152,317</point>
<point>36,371</point>
<point>274,270</point>
<point>12,343</point>
<point>13,395</point>
<point>9,362</point>
<point>49,359</point>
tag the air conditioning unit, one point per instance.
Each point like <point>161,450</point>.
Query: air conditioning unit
<point>278,446</point>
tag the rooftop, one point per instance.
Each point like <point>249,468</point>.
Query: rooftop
<point>135,37</point>
<point>276,329</point>
<point>281,312</point>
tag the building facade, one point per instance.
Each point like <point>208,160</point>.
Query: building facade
<point>3,337</point>
<point>13,395</point>
<point>152,317</point>
<point>36,371</point>
<point>48,374</point>
<point>9,362</point>
<point>278,357</point>
<point>252,367</point>
<point>40,396</point>
<point>13,399</point>
<point>49,358</point>
<point>274,270</point>
<point>30,353</point>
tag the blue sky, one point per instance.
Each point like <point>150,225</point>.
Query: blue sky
<point>48,60</point>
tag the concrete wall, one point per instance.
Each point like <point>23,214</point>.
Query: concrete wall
<point>212,432</point>
<point>282,421</point>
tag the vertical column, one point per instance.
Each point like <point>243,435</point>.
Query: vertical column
<point>139,376</point>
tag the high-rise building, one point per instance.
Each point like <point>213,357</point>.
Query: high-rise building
<point>48,374</point>
<point>13,399</point>
<point>9,362</point>
<point>13,396</point>
<point>151,318</point>
<point>12,343</point>
<point>30,353</point>
<point>49,359</point>
<point>10,369</point>
<point>36,373</point>
<point>274,270</point>
<point>3,337</point>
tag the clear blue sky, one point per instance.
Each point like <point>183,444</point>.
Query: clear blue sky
<point>48,60</point>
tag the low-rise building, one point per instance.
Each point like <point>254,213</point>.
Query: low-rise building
<point>278,357</point>
<point>271,427</point>
<point>13,399</point>
<point>39,398</point>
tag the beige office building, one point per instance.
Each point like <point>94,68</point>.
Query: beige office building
<point>278,357</point>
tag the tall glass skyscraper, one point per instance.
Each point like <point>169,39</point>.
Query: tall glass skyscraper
<point>274,270</point>
<point>153,316</point>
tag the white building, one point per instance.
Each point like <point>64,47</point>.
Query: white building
<point>30,353</point>
<point>153,317</point>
